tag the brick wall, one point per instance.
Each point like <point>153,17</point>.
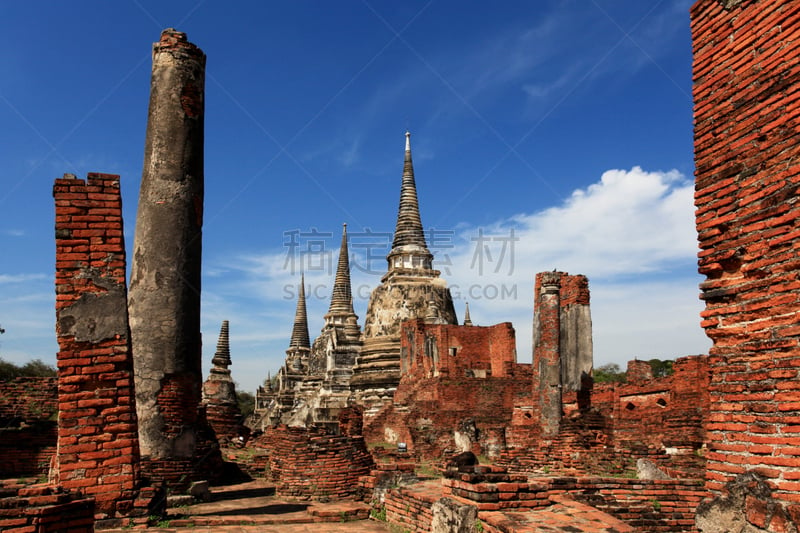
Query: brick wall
<point>746,108</point>
<point>28,427</point>
<point>98,449</point>
<point>28,450</point>
<point>27,399</point>
<point>457,392</point>
<point>457,351</point>
<point>657,505</point>
<point>658,419</point>
<point>657,413</point>
<point>437,416</point>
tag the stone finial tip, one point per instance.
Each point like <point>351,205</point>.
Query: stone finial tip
<point>408,141</point>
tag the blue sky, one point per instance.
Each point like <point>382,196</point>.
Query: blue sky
<point>548,134</point>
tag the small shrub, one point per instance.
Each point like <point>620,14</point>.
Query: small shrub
<point>378,514</point>
<point>656,505</point>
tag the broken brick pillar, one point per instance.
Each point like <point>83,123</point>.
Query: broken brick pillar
<point>98,446</point>
<point>747,160</point>
<point>638,371</point>
<point>546,353</point>
<point>164,299</point>
<point>219,391</point>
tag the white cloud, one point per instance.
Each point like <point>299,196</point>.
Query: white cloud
<point>632,233</point>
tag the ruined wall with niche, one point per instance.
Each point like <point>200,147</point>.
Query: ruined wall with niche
<point>747,159</point>
<point>429,350</point>
<point>665,412</point>
<point>659,419</point>
<point>458,391</point>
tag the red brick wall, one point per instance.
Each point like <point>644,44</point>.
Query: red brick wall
<point>626,421</point>
<point>98,449</point>
<point>28,431</point>
<point>652,506</point>
<point>747,103</point>
<point>659,505</point>
<point>638,371</point>
<point>426,413</point>
<point>488,350</point>
<point>661,412</point>
<point>27,399</point>
<point>28,450</point>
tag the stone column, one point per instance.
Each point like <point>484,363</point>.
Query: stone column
<point>164,297</point>
<point>547,353</point>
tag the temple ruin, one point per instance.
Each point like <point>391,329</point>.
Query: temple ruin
<point>430,424</point>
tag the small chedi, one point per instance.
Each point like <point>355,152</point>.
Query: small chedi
<point>219,392</point>
<point>432,423</point>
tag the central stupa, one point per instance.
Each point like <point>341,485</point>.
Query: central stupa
<point>411,288</point>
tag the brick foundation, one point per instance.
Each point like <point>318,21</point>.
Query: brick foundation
<point>653,506</point>
<point>312,465</point>
<point>44,509</point>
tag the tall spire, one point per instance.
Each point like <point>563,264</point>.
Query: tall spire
<point>409,250</point>
<point>409,225</point>
<point>342,298</point>
<point>300,330</point>
<point>222,357</point>
<point>467,319</point>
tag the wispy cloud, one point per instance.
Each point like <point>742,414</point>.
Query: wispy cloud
<point>21,278</point>
<point>350,155</point>
<point>13,232</point>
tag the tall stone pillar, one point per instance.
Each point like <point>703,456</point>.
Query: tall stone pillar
<point>547,353</point>
<point>164,297</point>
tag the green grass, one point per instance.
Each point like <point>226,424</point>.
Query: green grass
<point>378,514</point>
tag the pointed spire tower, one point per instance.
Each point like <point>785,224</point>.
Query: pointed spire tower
<point>409,251</point>
<point>222,357</point>
<point>340,313</point>
<point>299,345</point>
<point>467,319</point>
<point>300,337</point>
